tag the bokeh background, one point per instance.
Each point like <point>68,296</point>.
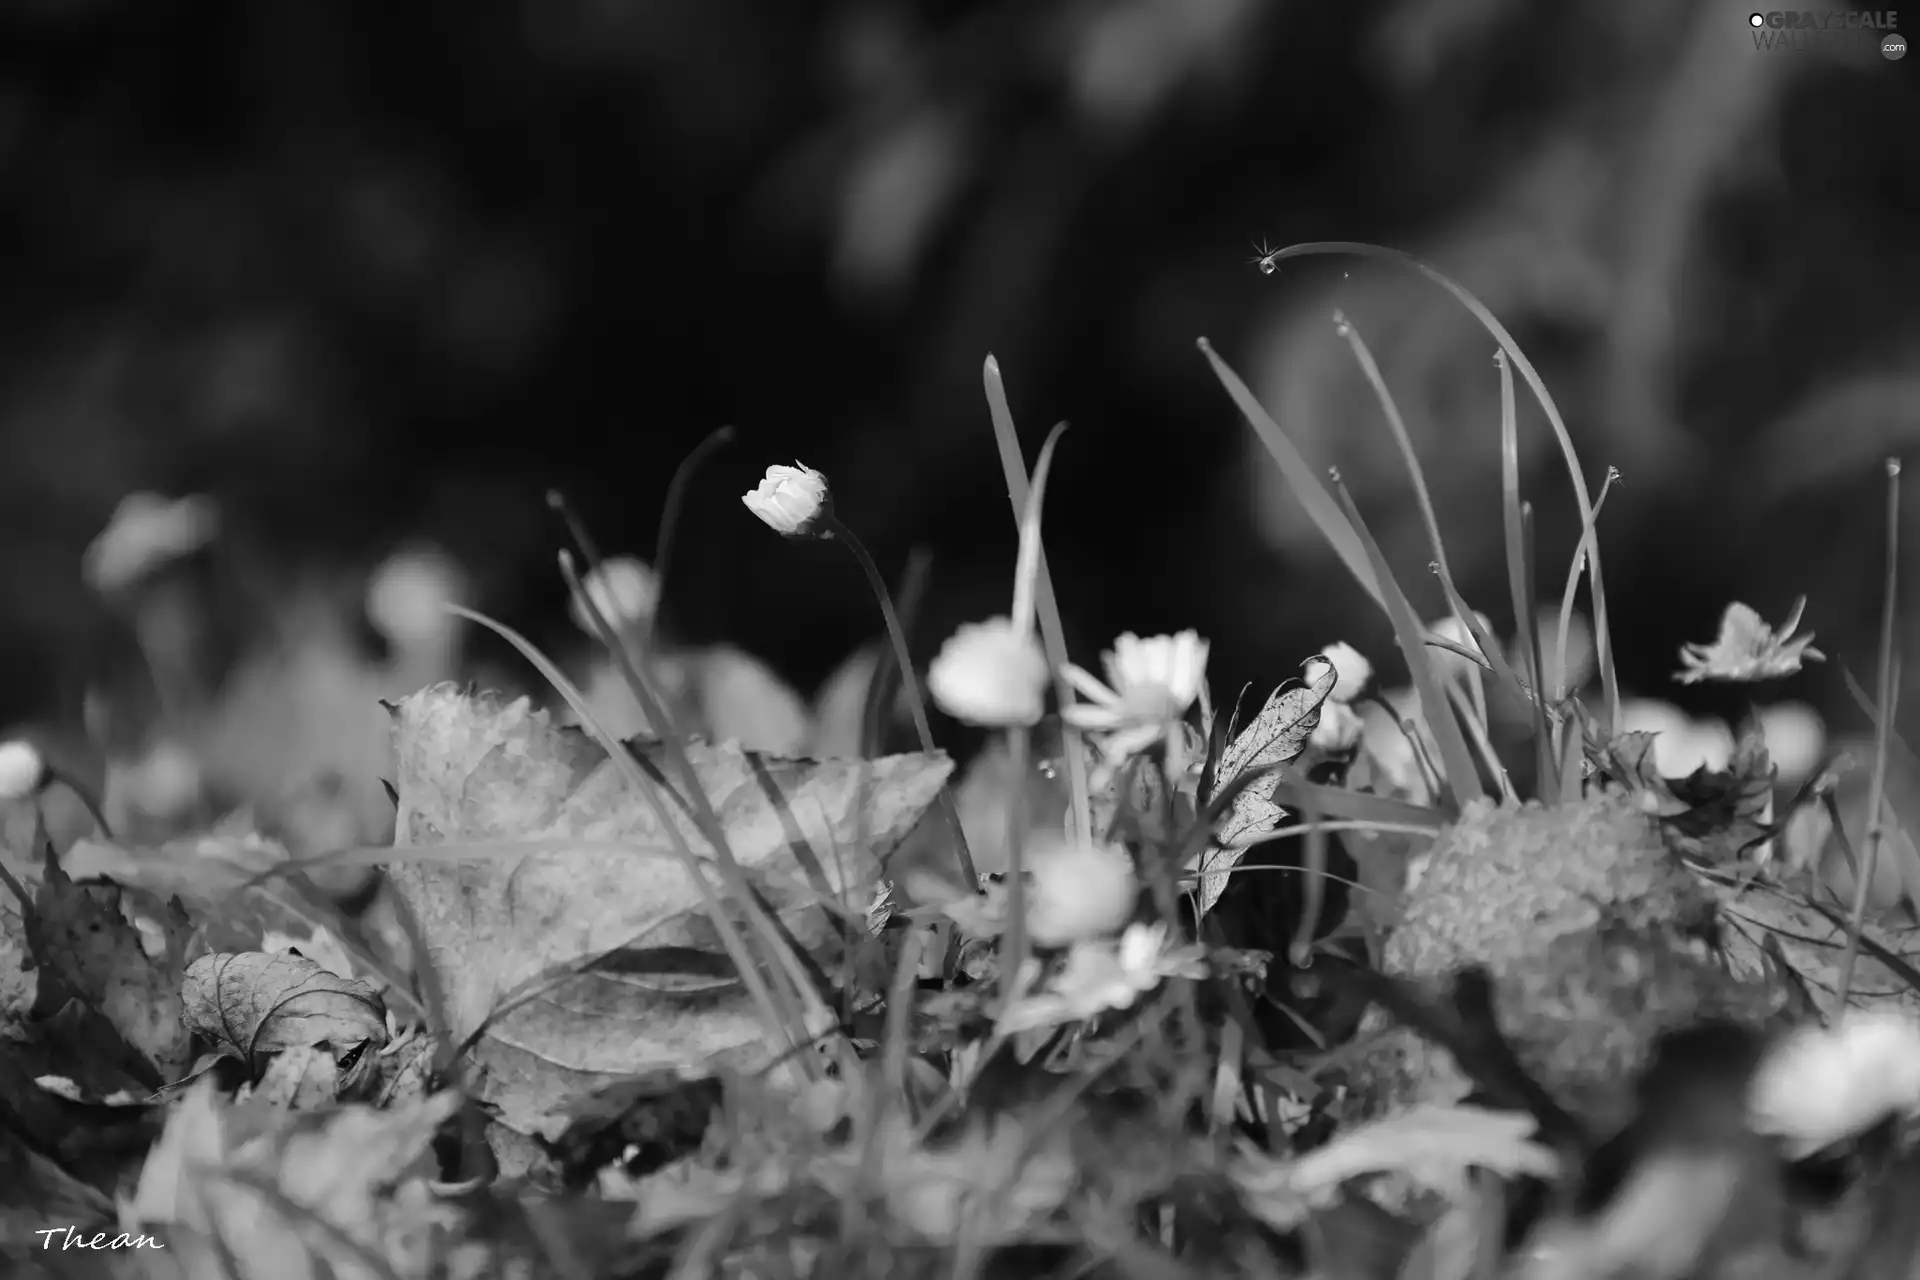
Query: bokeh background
<point>375,275</point>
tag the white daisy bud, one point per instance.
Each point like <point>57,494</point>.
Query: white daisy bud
<point>792,501</point>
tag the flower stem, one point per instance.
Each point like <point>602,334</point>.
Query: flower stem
<point>1013,955</point>
<point>910,685</point>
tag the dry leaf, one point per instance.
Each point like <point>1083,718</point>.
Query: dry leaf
<point>253,1003</point>
<point>290,1196</point>
<point>1277,736</point>
<point>596,932</point>
<point>88,950</point>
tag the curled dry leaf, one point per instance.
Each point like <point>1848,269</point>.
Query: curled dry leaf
<point>253,1003</point>
<point>88,950</point>
<point>593,947</point>
<point>1747,649</point>
<point>1277,736</point>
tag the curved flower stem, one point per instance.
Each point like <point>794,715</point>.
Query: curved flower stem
<point>910,685</point>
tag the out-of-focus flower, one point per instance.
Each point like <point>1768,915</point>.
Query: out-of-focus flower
<point>1821,1085</point>
<point>1796,739</point>
<point>1150,685</point>
<point>1453,631</point>
<point>1339,729</point>
<point>1104,974</point>
<point>22,770</point>
<point>743,700</point>
<point>164,783</point>
<point>1398,753</point>
<point>1580,650</point>
<point>624,590</point>
<point>1352,671</point>
<point>1747,649</point>
<point>990,673</point>
<point>792,501</point>
<point>1681,744</point>
<point>145,531</point>
<point>1076,891</point>
<point>408,595</point>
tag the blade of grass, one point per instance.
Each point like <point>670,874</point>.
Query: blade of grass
<point>1603,640</point>
<point>1397,425</point>
<point>1461,780</point>
<point>1301,477</point>
<point>1900,798</point>
<point>1877,788</point>
<point>670,509</point>
<point>1520,551</point>
<point>1053,633</point>
<point>1574,569</point>
<point>785,1020</point>
<point>882,685</point>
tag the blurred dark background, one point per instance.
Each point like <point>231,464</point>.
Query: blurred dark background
<point>367,273</point>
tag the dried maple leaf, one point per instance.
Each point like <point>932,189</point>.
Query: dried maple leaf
<point>1277,736</point>
<point>1747,650</point>
<point>556,913</point>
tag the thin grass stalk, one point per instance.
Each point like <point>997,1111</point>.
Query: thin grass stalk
<point>1053,632</point>
<point>1877,788</point>
<point>670,511</point>
<point>1603,641</point>
<point>877,708</point>
<point>1013,957</point>
<point>916,701</point>
<point>1530,647</point>
<point>784,1020</point>
<point>1574,568</point>
<point>1461,780</point>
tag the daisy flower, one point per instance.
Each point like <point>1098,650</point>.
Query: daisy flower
<point>1150,684</point>
<point>1104,975</point>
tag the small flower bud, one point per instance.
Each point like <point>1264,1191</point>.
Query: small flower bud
<point>792,501</point>
<point>988,673</point>
<point>1351,668</point>
<point>22,771</point>
<point>624,590</point>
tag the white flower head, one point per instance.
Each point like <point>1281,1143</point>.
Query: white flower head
<point>408,595</point>
<point>1821,1085</point>
<point>1796,739</point>
<point>792,501</point>
<point>1352,671</point>
<point>624,590</point>
<point>990,673</point>
<point>1075,890</point>
<point>1339,729</point>
<point>1150,685</point>
<point>1105,974</point>
<point>145,532</point>
<point>21,770</point>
